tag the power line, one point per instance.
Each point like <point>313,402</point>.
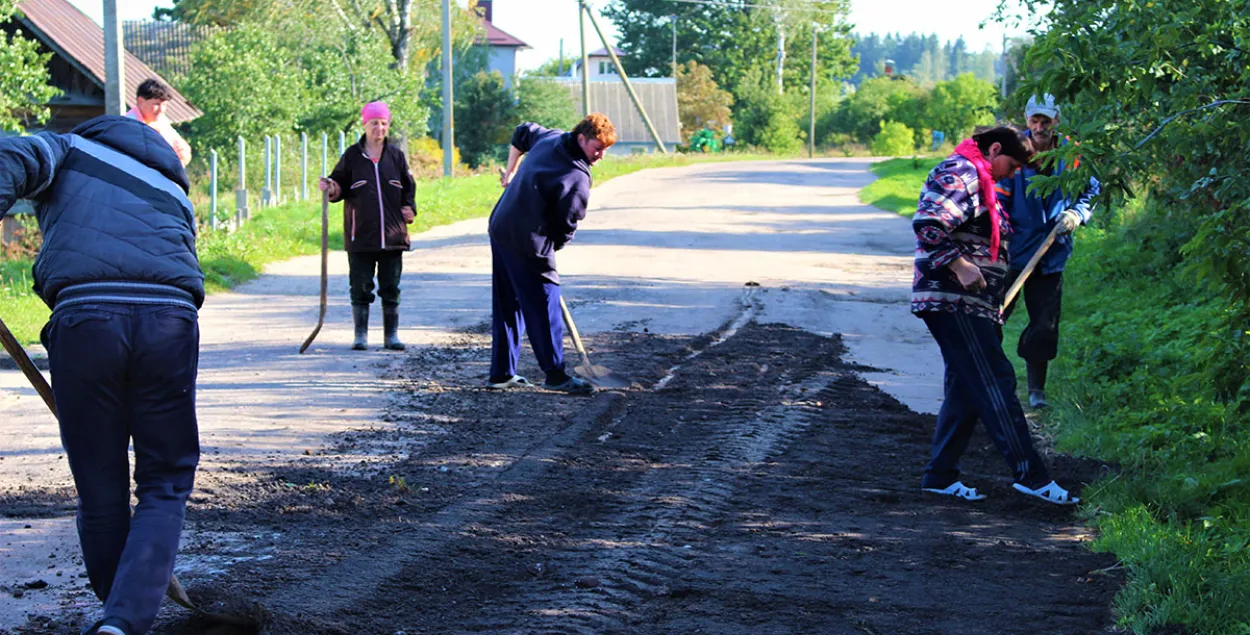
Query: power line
<point>735,5</point>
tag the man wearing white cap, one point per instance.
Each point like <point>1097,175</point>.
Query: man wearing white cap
<point>1032,220</point>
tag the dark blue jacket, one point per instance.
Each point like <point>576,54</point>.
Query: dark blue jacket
<point>1033,218</point>
<point>539,211</point>
<point>111,200</point>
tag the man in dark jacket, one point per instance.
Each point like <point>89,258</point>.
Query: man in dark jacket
<point>1032,219</point>
<point>119,269</point>
<point>536,216</point>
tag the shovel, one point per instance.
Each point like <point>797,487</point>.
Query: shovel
<point>37,380</point>
<point>598,375</point>
<point>325,265</point>
<point>1028,268</point>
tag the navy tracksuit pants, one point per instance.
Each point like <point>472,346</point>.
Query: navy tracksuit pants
<point>980,384</point>
<point>123,373</point>
<point>523,300</point>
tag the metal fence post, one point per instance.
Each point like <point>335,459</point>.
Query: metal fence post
<point>303,165</point>
<point>277,169</point>
<point>212,207</point>
<point>240,193</point>
<point>266,194</point>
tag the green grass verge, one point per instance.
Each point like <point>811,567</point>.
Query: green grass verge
<point>897,188</point>
<point>278,233</point>
<point>1144,344</point>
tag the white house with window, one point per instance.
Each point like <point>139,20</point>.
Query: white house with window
<point>601,66</point>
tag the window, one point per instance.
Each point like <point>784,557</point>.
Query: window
<point>606,68</point>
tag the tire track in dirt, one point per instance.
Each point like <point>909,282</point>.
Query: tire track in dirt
<point>764,488</point>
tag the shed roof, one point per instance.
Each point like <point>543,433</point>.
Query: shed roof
<point>77,38</point>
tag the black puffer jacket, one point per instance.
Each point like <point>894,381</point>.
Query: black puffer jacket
<point>373,195</point>
<point>111,199</point>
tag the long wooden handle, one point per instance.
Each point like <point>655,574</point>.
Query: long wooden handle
<point>33,375</point>
<point>577,338</point>
<point>1028,268</point>
<point>325,269</point>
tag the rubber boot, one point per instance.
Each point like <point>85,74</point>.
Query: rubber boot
<point>390,328</point>
<point>360,315</point>
<point>1036,377</point>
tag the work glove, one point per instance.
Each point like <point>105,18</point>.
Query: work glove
<point>1069,220</point>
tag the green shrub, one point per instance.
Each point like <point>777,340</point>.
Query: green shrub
<point>895,139</point>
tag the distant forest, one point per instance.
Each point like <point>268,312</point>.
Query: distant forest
<point>922,58</point>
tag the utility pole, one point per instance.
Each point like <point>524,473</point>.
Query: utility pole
<point>811,134</point>
<point>1004,66</point>
<point>781,50</point>
<point>114,62</point>
<point>674,16</point>
<point>582,9</point>
<point>449,125</point>
<point>629,88</point>
<point>561,71</point>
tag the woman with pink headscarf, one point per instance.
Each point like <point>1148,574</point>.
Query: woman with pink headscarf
<point>373,181</point>
<point>961,264</point>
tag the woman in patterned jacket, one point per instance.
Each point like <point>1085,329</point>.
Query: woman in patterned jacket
<point>961,263</point>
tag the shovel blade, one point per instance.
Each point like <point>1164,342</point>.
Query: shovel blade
<point>602,377</point>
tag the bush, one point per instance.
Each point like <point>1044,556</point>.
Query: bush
<point>1138,383</point>
<point>546,103</point>
<point>425,158</point>
<point>485,116</point>
<point>895,139</point>
<point>764,118</point>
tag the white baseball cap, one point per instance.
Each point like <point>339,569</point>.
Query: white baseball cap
<point>1045,107</point>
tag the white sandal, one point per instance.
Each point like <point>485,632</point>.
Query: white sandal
<point>1051,493</point>
<point>958,490</point>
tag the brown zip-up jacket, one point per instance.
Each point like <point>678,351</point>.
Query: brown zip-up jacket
<point>372,195</point>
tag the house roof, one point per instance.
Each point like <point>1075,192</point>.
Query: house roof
<point>603,52</point>
<point>496,37</point>
<point>658,96</point>
<point>77,38</point>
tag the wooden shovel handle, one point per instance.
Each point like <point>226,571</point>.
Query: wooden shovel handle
<point>23,361</point>
<point>1028,268</point>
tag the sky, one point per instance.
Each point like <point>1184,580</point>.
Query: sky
<point>542,23</point>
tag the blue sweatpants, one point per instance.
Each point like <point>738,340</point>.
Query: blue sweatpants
<point>522,299</point>
<point>123,373</point>
<point>980,384</point>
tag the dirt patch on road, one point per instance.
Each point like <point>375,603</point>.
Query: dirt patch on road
<point>764,489</point>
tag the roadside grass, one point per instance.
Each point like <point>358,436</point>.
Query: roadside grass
<point>231,258</point>
<point>1143,344</point>
<point>897,188</point>
<point>22,311</point>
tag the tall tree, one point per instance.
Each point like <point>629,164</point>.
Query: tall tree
<point>413,27</point>
<point>700,101</point>
<point>24,85</point>
<point>731,37</point>
<point>211,12</point>
<point>957,106</point>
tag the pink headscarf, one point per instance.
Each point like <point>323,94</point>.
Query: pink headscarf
<point>985,177</point>
<point>375,110</point>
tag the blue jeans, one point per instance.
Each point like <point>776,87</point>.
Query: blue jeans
<point>980,385</point>
<point>523,300</point>
<point>123,372</point>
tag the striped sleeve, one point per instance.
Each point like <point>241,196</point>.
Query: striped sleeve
<point>27,166</point>
<point>945,203</point>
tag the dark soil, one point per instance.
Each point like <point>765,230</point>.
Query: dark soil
<point>765,489</point>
